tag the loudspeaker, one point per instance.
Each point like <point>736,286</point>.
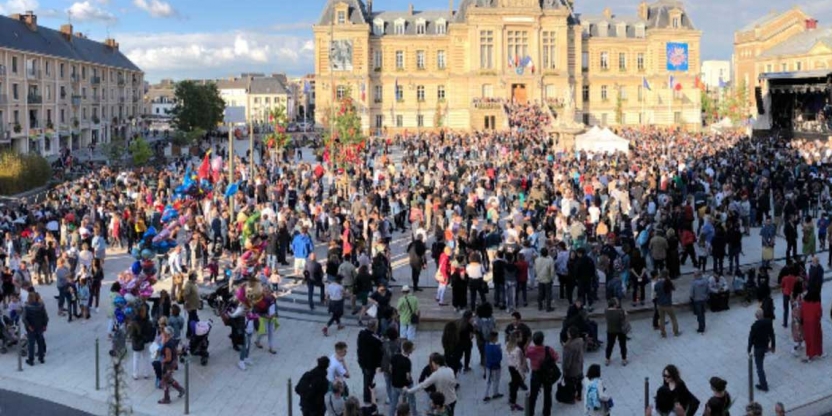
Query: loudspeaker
<point>758,97</point>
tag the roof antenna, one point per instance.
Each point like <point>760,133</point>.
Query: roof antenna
<point>69,17</point>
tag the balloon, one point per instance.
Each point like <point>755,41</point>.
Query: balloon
<point>181,189</point>
<point>119,301</point>
<point>128,311</point>
<point>135,253</point>
<point>146,293</point>
<point>119,314</point>
<point>231,190</point>
<point>147,254</point>
<point>129,298</point>
<point>151,232</point>
<point>136,267</point>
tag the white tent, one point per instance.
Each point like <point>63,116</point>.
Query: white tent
<point>601,141</point>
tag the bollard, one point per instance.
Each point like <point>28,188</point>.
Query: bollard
<point>646,392</point>
<point>187,386</point>
<point>289,396</point>
<point>97,366</point>
<point>19,353</point>
<point>528,410</point>
<point>750,380</point>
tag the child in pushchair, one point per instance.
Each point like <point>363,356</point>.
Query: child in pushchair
<point>198,345</point>
<point>9,334</point>
<point>745,286</point>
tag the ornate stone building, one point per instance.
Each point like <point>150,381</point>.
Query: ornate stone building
<point>412,70</point>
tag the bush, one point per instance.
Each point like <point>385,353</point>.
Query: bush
<point>21,173</point>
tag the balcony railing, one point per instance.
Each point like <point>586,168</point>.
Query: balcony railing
<point>34,99</point>
<point>95,80</point>
<point>76,100</point>
<point>34,124</point>
<point>75,78</point>
<point>33,74</point>
<point>135,82</point>
<point>121,100</point>
<point>136,98</point>
<point>95,99</point>
<point>121,82</point>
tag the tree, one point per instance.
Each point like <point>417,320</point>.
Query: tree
<point>619,107</point>
<point>187,138</point>
<point>347,140</point>
<point>198,106</point>
<point>141,151</point>
<point>279,139</point>
<point>115,149</point>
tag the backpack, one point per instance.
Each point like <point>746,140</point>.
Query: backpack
<point>549,370</point>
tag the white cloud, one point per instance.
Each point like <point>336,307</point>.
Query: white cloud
<point>156,8</point>
<point>86,11</point>
<point>18,6</point>
<point>217,54</point>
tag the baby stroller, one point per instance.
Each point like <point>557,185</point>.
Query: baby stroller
<point>220,298</point>
<point>237,325</point>
<point>198,345</point>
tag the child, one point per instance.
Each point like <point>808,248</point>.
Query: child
<point>703,249</point>
<point>72,308</point>
<point>84,297</point>
<point>517,369</point>
<point>176,322</point>
<point>437,405</point>
<point>274,281</point>
<point>493,359</point>
<point>14,308</point>
<point>213,270</point>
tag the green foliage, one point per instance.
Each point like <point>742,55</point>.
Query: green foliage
<point>709,107</point>
<point>619,107</point>
<point>187,138</point>
<point>348,138</point>
<point>141,151</point>
<point>279,139</point>
<point>20,173</point>
<point>198,106</point>
<point>115,149</point>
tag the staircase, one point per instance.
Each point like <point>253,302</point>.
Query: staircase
<point>293,304</point>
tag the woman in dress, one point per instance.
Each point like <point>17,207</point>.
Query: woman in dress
<point>673,265</point>
<point>811,313</point>
<point>797,319</point>
<point>459,284</point>
<point>809,238</point>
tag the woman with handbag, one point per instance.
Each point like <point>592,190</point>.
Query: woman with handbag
<point>681,394</point>
<point>617,325</point>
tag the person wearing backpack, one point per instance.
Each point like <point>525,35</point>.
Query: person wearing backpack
<point>596,400</point>
<point>312,388</point>
<point>545,372</point>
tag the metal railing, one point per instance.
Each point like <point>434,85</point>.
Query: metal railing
<point>121,99</point>
<point>76,100</point>
<point>34,99</point>
<point>95,80</point>
<point>75,78</point>
<point>33,74</point>
<point>121,82</point>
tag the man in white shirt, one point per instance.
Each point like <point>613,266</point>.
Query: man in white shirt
<point>337,369</point>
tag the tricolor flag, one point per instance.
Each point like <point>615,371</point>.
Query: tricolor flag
<point>645,84</point>
<point>363,91</point>
<point>722,84</point>
<point>697,83</point>
<point>306,87</point>
<point>674,85</point>
<point>510,61</point>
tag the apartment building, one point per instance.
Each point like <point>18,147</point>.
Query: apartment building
<point>60,89</point>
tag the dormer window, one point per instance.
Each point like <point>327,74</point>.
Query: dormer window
<point>676,22</point>
<point>676,18</point>
<point>640,30</point>
<point>621,30</point>
<point>603,28</point>
<point>420,26</point>
<point>441,26</point>
<point>378,27</point>
<point>399,27</point>
<point>342,17</point>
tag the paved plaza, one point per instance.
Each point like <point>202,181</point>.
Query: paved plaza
<point>68,377</point>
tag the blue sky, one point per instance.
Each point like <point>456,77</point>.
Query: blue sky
<point>212,38</point>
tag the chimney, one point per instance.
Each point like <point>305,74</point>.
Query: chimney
<point>451,7</point>
<point>111,43</point>
<point>607,13</point>
<point>29,18</point>
<point>410,9</point>
<point>811,24</point>
<point>370,8</point>
<point>643,11</point>
<point>66,30</point>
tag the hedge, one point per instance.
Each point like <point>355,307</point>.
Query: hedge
<point>20,173</point>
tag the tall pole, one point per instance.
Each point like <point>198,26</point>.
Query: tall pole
<point>251,151</point>
<point>231,166</point>
<point>332,97</point>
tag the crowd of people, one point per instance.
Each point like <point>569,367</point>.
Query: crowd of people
<point>496,211</point>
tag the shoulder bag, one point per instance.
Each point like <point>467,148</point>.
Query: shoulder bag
<point>414,317</point>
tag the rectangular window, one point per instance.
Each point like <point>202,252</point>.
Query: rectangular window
<point>378,59</point>
<point>63,92</point>
<point>675,22</point>
<point>550,55</point>
<point>623,118</point>
<point>46,68</point>
<point>487,91</point>
<point>399,93</point>
<point>440,93</point>
<point>420,121</point>
<point>640,61</point>
<point>784,67</point>
<point>14,64</point>
<point>61,70</point>
<point>622,92</point>
<point>420,28</point>
<point>798,66</point>
<point>420,59</point>
<point>379,121</point>
<point>677,117</point>
<point>768,68</point>
<point>399,60</point>
<point>399,121</point>
<point>440,59</point>
<point>604,119</point>
<point>486,49</point>
<point>340,93</point>
<point>585,93</point>
<point>550,91</point>
<point>378,28</point>
<point>342,17</point>
<point>400,28</point>
<point>15,92</point>
<point>518,44</point>
<point>440,28</point>
<point>379,93</point>
<point>605,60</point>
<point>63,116</point>
<point>603,93</point>
<point>584,61</point>
<point>622,61</point>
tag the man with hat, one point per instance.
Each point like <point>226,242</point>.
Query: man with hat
<point>408,307</point>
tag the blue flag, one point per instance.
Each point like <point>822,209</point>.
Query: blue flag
<point>645,84</point>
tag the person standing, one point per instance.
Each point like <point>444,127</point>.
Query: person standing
<point>401,375</point>
<point>573,360</point>
<point>664,299</point>
<point>517,369</point>
<point>302,247</point>
<point>312,388</point>
<point>787,286</point>
<point>408,308</point>
<point>544,270</point>
<point>811,314</point>
<point>790,232</point>
<point>335,298</point>
<point>416,256</point>
<point>616,319</point>
<point>370,353</point>
<point>35,320</point>
<point>169,365</point>
<point>761,340</point>
<point>493,366</point>
<point>536,353</point>
<point>191,295</point>
<point>699,297</point>
<point>658,250</point>
<point>769,236</point>
<point>442,377</point>
<point>313,274</point>
<point>815,280</point>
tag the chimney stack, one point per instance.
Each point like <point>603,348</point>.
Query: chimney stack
<point>29,18</point>
<point>66,30</point>
<point>811,24</point>
<point>410,9</point>
<point>111,43</point>
<point>643,11</point>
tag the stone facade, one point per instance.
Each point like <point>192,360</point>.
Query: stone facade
<point>422,70</point>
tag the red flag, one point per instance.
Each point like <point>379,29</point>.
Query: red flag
<point>204,171</point>
<point>678,87</point>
